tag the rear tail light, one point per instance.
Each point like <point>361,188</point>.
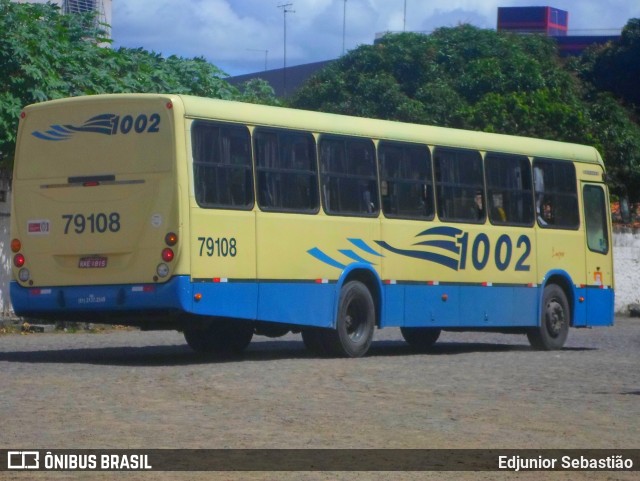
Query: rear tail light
<point>167,255</point>
<point>162,270</point>
<point>19,260</point>
<point>24,275</point>
<point>16,245</point>
<point>171,239</point>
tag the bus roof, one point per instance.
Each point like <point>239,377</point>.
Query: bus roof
<point>320,122</point>
<point>385,129</point>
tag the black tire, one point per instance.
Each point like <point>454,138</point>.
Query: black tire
<point>355,323</point>
<point>220,337</point>
<point>420,338</point>
<point>555,317</point>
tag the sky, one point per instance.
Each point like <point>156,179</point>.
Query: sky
<point>242,36</point>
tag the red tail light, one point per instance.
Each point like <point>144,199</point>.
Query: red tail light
<point>19,260</point>
<point>167,255</point>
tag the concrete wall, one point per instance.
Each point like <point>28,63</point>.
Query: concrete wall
<point>626,259</point>
<point>5,248</point>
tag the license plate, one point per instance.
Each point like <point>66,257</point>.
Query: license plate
<point>93,262</point>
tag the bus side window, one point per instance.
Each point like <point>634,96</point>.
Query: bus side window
<point>405,174</point>
<point>459,185</point>
<point>509,189</point>
<point>222,165</point>
<point>287,172</point>
<point>348,172</point>
<point>596,218</point>
<point>558,200</point>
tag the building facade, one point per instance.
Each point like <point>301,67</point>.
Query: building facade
<point>102,7</point>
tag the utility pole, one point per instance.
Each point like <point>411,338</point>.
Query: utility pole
<point>285,9</point>
<point>344,24</point>
<point>404,18</point>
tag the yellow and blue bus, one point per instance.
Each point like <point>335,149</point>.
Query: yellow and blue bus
<point>224,220</point>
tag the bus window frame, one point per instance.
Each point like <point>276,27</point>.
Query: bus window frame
<point>327,174</point>
<point>438,184</point>
<point>311,174</point>
<point>541,222</point>
<point>488,157</point>
<point>603,220</point>
<point>195,163</point>
<point>428,182</point>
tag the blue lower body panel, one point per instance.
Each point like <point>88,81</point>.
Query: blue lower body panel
<point>86,302</point>
<point>304,303</point>
<point>301,303</point>
<point>460,306</point>
<point>600,307</point>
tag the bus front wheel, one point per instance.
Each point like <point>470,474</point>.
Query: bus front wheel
<point>220,337</point>
<point>355,322</point>
<point>420,338</point>
<point>553,330</point>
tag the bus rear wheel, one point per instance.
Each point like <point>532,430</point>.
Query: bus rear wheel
<point>355,322</point>
<point>420,338</point>
<point>220,337</point>
<point>553,330</point>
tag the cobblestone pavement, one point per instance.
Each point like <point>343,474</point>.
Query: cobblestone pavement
<point>131,389</point>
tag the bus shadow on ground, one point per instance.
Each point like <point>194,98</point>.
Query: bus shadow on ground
<point>175,355</point>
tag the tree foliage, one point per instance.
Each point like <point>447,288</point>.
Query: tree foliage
<point>46,55</point>
<point>615,67</point>
<point>469,78</point>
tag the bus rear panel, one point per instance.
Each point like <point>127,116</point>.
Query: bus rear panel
<point>95,214</point>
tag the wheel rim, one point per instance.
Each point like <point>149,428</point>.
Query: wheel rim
<point>555,318</point>
<point>355,321</point>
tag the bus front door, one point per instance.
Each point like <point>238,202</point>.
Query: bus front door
<point>599,264</point>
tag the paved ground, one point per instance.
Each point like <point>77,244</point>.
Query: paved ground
<point>130,389</point>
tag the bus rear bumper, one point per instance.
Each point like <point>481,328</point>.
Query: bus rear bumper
<point>91,303</point>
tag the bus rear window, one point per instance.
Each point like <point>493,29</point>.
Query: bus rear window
<point>222,165</point>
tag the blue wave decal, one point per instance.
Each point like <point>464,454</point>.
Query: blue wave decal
<point>441,237</point>
<point>442,230</point>
<point>352,255</point>
<point>438,241</point>
<point>360,244</point>
<point>451,246</point>
<point>424,255</point>
<point>100,124</point>
<point>321,256</point>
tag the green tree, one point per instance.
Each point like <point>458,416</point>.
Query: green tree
<point>461,77</point>
<point>46,55</point>
<point>258,91</point>
<point>469,78</point>
<point>609,74</point>
<point>616,66</point>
